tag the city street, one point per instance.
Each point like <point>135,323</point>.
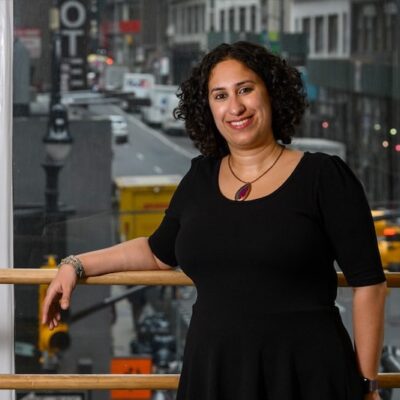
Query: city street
<point>148,151</point>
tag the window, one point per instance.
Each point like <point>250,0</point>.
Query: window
<point>360,110</point>
<point>319,34</point>
<point>306,29</point>
<point>333,33</point>
<point>253,21</point>
<point>370,27</point>
<point>222,20</point>
<point>190,24</point>
<point>389,26</point>
<point>345,35</point>
<point>196,12</point>
<point>232,19</point>
<point>202,19</point>
<point>242,19</point>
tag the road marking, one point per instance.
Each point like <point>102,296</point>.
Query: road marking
<point>140,156</point>
<point>163,139</point>
<point>157,169</point>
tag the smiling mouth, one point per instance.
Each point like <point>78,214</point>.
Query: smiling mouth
<point>243,123</point>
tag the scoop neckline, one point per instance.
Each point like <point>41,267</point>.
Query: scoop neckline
<point>267,196</point>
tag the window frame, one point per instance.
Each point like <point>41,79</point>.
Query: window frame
<point>6,207</point>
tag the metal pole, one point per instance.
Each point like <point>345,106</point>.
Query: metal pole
<point>55,53</point>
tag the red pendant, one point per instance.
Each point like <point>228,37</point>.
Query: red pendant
<point>243,192</point>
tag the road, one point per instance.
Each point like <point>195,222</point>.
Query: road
<point>148,151</point>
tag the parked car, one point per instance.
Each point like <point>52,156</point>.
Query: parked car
<point>119,128</point>
<point>387,226</point>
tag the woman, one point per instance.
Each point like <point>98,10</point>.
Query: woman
<point>258,227</point>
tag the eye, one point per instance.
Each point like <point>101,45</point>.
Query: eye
<point>245,89</point>
<point>219,96</point>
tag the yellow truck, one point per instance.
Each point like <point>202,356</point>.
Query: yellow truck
<point>142,202</point>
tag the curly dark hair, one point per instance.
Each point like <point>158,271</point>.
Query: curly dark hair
<point>283,82</point>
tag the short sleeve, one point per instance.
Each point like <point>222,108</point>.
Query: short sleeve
<point>162,241</point>
<point>347,220</point>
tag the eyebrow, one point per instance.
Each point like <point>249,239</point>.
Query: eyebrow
<point>236,84</point>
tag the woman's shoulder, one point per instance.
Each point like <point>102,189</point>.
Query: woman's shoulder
<point>205,164</point>
<point>323,161</point>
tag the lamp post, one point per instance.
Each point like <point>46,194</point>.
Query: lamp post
<point>58,142</point>
<point>57,139</point>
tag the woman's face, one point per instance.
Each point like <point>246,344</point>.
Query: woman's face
<point>240,104</point>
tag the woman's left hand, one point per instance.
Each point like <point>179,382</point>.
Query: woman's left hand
<point>372,396</point>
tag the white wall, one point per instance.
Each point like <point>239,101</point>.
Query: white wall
<point>6,241</point>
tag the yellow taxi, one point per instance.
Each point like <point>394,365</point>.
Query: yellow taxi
<point>387,227</point>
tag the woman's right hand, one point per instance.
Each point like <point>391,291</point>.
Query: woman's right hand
<point>58,295</point>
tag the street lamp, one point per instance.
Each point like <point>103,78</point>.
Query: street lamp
<point>58,143</point>
<point>57,139</point>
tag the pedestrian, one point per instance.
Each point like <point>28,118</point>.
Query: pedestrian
<point>258,226</point>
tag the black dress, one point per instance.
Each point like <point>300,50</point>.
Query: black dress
<point>264,326</point>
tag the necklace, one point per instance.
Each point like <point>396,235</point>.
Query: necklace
<point>243,192</point>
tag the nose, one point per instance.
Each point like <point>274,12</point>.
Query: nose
<point>236,107</point>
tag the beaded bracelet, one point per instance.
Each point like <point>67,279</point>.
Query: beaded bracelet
<point>76,264</point>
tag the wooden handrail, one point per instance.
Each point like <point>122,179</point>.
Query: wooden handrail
<point>32,276</point>
<point>114,381</point>
<point>89,382</point>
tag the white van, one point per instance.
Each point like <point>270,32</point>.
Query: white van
<point>139,86</point>
<point>169,123</point>
<point>155,113</point>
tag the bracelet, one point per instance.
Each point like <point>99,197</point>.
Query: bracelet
<point>76,264</point>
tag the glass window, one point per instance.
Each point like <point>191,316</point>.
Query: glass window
<point>333,33</point>
<point>306,29</point>
<point>319,34</point>
<point>232,19</point>
<point>345,36</point>
<point>253,16</point>
<point>222,20</point>
<point>242,19</point>
<point>109,86</point>
<point>390,16</point>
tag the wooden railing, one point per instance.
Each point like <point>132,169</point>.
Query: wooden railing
<point>112,381</point>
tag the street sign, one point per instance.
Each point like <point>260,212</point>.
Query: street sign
<point>131,365</point>
<point>74,33</point>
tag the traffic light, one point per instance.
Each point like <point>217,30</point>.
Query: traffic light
<point>51,341</point>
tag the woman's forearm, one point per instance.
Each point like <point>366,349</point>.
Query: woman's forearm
<point>134,254</point>
<point>368,322</point>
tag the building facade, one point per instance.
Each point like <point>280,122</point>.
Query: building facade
<point>353,47</point>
